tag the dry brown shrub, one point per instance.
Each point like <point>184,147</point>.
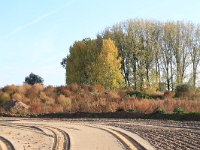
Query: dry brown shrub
<point>67,93</point>
<point>2,110</point>
<point>169,94</point>
<point>64,101</point>
<point>22,89</point>
<point>32,93</point>
<point>35,108</point>
<point>101,105</point>
<point>43,98</point>
<point>112,94</point>
<point>26,100</point>
<point>81,103</point>
<point>86,88</point>
<point>10,89</point>
<point>38,87</point>
<point>64,91</point>
<point>17,97</point>
<point>96,88</point>
<point>148,106</point>
<point>122,93</point>
<point>51,91</point>
<point>50,101</point>
<point>127,104</point>
<point>112,107</point>
<point>57,108</point>
<point>74,87</point>
<point>46,109</point>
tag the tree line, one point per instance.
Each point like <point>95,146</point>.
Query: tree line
<point>153,54</point>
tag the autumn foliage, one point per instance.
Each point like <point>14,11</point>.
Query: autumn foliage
<point>94,62</point>
<point>84,98</point>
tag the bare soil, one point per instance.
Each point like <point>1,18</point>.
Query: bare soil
<point>90,134</point>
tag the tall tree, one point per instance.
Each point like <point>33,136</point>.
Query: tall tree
<point>195,52</point>
<point>106,70</point>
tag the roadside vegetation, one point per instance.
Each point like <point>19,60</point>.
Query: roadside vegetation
<point>83,98</point>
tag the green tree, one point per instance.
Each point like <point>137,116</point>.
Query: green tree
<point>33,78</point>
<point>82,55</point>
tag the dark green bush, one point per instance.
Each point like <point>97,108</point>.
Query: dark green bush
<point>144,95</point>
<point>132,110</point>
<point>159,111</point>
<point>178,110</point>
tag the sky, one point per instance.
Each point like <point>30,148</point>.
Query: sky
<point>36,34</point>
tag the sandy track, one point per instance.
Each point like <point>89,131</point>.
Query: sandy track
<point>102,134</point>
<point>5,144</point>
<point>64,135</point>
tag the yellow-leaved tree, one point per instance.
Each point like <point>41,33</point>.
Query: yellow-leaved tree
<point>106,70</point>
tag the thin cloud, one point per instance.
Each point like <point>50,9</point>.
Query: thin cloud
<point>36,20</point>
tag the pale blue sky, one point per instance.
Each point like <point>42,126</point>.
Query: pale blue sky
<point>36,34</point>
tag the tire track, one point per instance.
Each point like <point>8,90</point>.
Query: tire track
<point>31,128</point>
<point>128,142</point>
<point>55,141</point>
<point>66,140</point>
<point>5,144</point>
<point>61,138</point>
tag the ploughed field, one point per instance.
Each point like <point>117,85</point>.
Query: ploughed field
<point>97,134</point>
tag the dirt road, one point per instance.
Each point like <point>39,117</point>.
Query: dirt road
<point>46,134</point>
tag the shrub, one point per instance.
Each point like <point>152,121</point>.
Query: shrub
<point>50,101</point>
<point>57,108</point>
<point>32,93</point>
<point>64,91</point>
<point>62,100</point>
<point>112,94</point>
<point>50,91</point>
<point>10,89</point>
<point>74,87</point>
<point>4,97</point>
<point>159,111</point>
<point>43,98</point>
<point>35,108</point>
<point>144,95</point>
<point>17,97</point>
<point>96,88</point>
<point>38,87</point>
<point>183,90</point>
<point>178,110</point>
<point>133,110</point>
<point>122,93</point>
<point>21,90</point>
<point>169,94</point>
